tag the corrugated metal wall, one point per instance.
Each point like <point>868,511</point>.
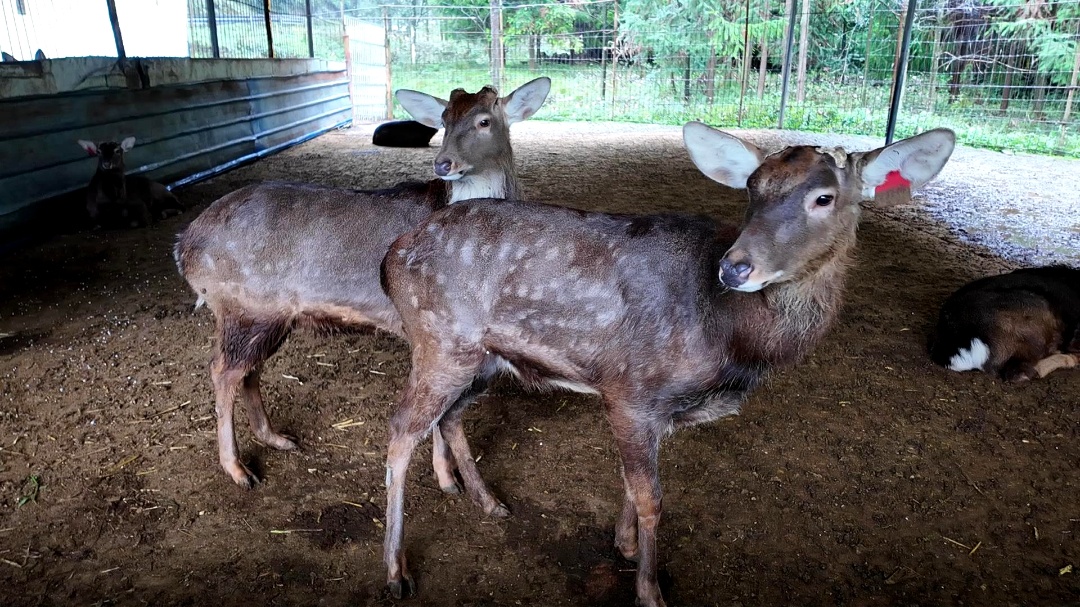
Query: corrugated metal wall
<point>181,130</point>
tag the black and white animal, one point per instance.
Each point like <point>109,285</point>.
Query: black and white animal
<point>403,134</point>
<point>117,199</point>
<point>1017,326</point>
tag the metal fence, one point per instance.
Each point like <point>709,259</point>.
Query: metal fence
<point>1003,73</point>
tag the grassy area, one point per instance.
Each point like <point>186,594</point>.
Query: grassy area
<point>858,108</point>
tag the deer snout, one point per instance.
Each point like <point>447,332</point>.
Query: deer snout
<point>734,273</point>
<point>442,167</point>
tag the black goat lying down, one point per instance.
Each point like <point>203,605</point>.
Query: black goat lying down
<point>403,134</point>
<point>1018,326</point>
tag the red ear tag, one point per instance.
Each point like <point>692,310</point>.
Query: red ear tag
<point>893,191</point>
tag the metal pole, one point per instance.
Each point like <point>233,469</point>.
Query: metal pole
<point>119,39</point>
<point>269,30</point>
<point>211,21</point>
<point>789,37</point>
<point>388,57</point>
<point>901,72</point>
<point>310,36</point>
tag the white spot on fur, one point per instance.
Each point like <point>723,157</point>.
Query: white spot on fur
<point>971,358</point>
<point>414,301</point>
<point>467,253</point>
<point>552,253</point>
<point>572,386</point>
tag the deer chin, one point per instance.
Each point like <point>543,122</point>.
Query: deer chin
<point>452,176</point>
<point>753,285</point>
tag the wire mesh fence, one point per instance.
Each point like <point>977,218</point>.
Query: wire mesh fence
<point>1003,73</point>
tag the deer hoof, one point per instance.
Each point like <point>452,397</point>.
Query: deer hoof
<point>402,588</point>
<point>499,510</point>
<point>452,489</point>
<point>242,476</point>
<point>279,441</point>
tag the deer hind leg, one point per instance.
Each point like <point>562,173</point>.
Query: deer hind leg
<point>242,346</point>
<point>256,413</point>
<point>436,381</point>
<point>453,429</point>
<point>442,461</point>
<point>1054,362</point>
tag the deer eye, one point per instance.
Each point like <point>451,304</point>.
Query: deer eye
<point>824,200</point>
<point>484,123</point>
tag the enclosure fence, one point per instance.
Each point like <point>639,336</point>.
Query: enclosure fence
<point>1003,73</point>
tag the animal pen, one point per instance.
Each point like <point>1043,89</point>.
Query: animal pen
<point>864,475</point>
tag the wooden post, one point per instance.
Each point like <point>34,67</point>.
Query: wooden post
<point>349,69</point>
<point>931,97</point>
<point>269,30</point>
<point>117,37</point>
<point>764,57</point>
<point>745,75</point>
<point>614,55</point>
<point>804,40</point>
<point>866,60</point>
<point>496,44</point>
<point>1072,90</point>
<point>386,44</point>
<point>211,22</point>
<point>310,32</point>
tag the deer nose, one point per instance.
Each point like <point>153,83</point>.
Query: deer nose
<point>442,168</point>
<point>734,274</point>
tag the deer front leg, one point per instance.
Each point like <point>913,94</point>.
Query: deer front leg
<point>638,444</point>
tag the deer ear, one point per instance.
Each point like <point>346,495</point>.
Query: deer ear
<point>721,157</point>
<point>918,159</point>
<point>526,99</point>
<point>127,144</point>
<point>424,108</point>
<point>89,146</point>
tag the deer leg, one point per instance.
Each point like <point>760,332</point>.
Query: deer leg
<point>227,382</point>
<point>1057,361</point>
<point>426,398</point>
<point>626,540</point>
<point>453,429</point>
<point>256,413</point>
<point>442,460</point>
<point>639,444</point>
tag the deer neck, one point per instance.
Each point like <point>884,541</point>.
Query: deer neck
<point>497,182</point>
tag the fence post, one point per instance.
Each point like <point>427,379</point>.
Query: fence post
<point>496,44</point>
<point>349,68</point>
<point>789,37</point>
<point>310,34</point>
<point>117,37</point>
<point>901,72</point>
<point>269,30</point>
<point>211,22</point>
<point>386,44</point>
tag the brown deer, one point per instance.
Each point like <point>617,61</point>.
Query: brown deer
<point>1017,326</point>
<point>269,258</point>
<point>116,198</point>
<point>672,320</point>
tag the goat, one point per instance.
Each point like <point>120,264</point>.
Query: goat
<point>648,312</point>
<point>403,134</point>
<point>129,200</point>
<point>1017,326</point>
<point>272,257</point>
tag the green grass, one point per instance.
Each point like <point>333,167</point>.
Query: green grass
<point>649,96</point>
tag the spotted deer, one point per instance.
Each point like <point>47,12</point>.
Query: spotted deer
<point>1017,326</point>
<point>116,198</point>
<point>274,257</point>
<point>671,320</point>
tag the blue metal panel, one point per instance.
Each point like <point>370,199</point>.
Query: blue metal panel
<point>181,131</point>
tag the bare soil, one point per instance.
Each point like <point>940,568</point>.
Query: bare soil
<point>864,476</point>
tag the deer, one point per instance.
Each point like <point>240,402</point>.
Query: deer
<point>1016,326</point>
<point>671,320</point>
<point>274,257</point>
<point>130,200</point>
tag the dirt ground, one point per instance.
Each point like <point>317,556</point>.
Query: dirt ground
<point>864,476</point>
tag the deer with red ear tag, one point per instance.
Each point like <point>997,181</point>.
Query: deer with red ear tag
<point>671,320</point>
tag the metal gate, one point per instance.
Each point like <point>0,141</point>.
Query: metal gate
<point>369,75</point>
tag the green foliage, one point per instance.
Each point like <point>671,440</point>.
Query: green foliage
<point>30,490</point>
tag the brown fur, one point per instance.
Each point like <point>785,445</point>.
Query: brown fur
<point>271,258</point>
<point>626,307</point>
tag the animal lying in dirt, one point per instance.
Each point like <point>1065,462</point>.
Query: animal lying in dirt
<point>403,134</point>
<point>114,198</point>
<point>1017,326</point>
